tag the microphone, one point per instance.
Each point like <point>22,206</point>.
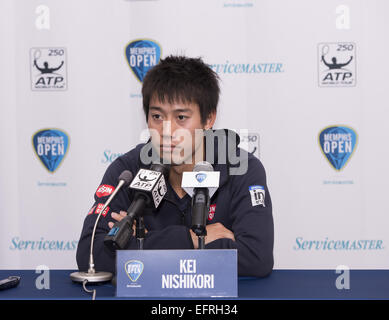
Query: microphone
<point>93,276</point>
<point>150,188</point>
<point>202,176</point>
<point>200,184</point>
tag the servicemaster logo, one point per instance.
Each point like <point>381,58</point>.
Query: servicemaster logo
<point>50,146</point>
<point>43,244</point>
<point>328,244</point>
<point>247,67</point>
<point>142,55</point>
<point>338,143</point>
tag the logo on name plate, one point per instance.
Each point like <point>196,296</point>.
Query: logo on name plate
<point>50,146</point>
<point>200,177</point>
<point>142,55</point>
<point>337,144</point>
<point>134,269</point>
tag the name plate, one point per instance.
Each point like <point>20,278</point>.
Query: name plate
<point>177,273</point>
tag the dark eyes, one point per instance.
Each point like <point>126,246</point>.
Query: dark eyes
<point>158,117</point>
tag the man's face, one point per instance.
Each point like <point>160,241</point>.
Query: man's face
<point>176,131</point>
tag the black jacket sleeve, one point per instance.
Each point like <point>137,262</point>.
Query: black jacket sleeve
<point>252,225</point>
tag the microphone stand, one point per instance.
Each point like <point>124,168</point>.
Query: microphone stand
<point>201,232</point>
<point>202,241</point>
<point>140,231</point>
<point>92,275</point>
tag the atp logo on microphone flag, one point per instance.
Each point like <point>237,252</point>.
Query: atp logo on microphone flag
<point>142,55</point>
<point>50,146</point>
<point>337,144</point>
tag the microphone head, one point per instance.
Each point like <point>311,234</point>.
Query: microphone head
<point>203,166</point>
<point>126,176</point>
<point>163,168</point>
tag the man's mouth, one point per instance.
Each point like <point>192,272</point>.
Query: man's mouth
<point>166,147</point>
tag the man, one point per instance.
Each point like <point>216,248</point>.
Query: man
<point>180,97</point>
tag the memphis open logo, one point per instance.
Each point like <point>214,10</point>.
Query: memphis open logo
<point>141,56</point>
<point>338,144</point>
<point>134,269</point>
<point>50,146</point>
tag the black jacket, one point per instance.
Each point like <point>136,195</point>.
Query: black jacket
<point>233,205</point>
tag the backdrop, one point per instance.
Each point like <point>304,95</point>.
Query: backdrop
<point>304,82</point>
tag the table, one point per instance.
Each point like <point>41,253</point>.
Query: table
<point>280,285</point>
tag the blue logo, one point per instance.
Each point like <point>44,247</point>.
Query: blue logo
<point>142,55</point>
<point>200,177</point>
<point>113,231</point>
<point>109,156</point>
<point>134,269</point>
<point>247,67</point>
<point>50,146</point>
<point>338,144</point>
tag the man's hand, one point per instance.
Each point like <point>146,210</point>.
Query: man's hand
<point>214,231</point>
<point>119,217</point>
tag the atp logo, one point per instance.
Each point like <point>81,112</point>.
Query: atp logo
<point>48,69</point>
<point>249,140</point>
<point>134,269</point>
<point>337,66</point>
<point>142,55</point>
<point>338,144</point>
<point>145,179</point>
<point>50,146</point>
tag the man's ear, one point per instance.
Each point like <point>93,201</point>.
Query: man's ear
<point>210,120</point>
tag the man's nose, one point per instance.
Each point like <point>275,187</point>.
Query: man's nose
<point>169,129</point>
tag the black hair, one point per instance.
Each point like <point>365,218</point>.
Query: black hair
<point>179,79</point>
